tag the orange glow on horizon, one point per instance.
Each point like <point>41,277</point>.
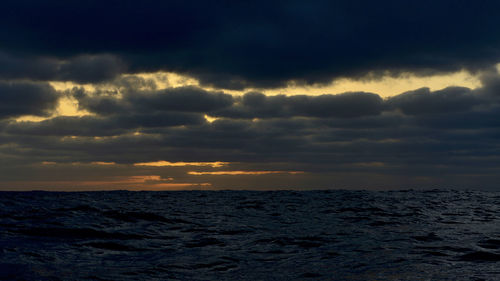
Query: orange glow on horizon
<point>145,182</point>
<point>170,186</point>
<point>216,164</point>
<point>102,163</point>
<point>234,173</point>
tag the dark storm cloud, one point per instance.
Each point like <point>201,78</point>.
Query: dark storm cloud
<point>81,68</point>
<point>102,126</point>
<point>190,99</point>
<point>89,69</point>
<point>181,99</point>
<point>219,104</point>
<point>26,98</point>
<point>231,44</point>
<point>491,85</point>
<point>346,105</point>
<point>479,119</point>
<point>67,126</point>
<point>423,101</point>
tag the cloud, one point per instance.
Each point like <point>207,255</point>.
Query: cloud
<point>180,99</point>
<point>26,98</point>
<point>418,137</point>
<point>346,105</point>
<point>188,99</point>
<point>260,44</point>
<point>91,126</point>
<point>81,68</point>
<point>423,101</point>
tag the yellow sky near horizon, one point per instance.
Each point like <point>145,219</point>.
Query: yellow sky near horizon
<point>385,86</point>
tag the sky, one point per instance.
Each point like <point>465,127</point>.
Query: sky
<point>173,95</point>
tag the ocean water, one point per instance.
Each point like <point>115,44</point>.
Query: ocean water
<point>244,235</point>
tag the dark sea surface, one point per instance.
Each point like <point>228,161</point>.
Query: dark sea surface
<point>244,235</point>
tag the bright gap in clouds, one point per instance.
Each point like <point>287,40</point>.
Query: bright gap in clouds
<point>385,86</point>
<point>238,173</point>
<point>67,106</point>
<point>216,164</point>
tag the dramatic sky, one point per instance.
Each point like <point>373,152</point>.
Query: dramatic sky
<point>161,95</point>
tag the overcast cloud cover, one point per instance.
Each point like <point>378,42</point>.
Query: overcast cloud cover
<point>421,138</point>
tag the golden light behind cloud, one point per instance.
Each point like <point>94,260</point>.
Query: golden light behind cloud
<point>386,87</point>
<point>235,173</point>
<point>210,119</point>
<point>216,164</point>
<point>136,182</point>
<point>103,163</point>
<point>67,106</point>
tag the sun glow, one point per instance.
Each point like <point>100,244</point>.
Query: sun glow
<point>103,163</point>
<point>216,164</point>
<point>210,119</point>
<point>235,173</point>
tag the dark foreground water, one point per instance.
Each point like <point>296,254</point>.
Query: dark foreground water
<point>240,235</point>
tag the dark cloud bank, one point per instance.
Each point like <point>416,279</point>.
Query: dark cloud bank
<point>26,98</point>
<point>233,44</point>
<point>422,138</point>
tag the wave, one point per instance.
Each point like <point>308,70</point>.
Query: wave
<point>245,235</point>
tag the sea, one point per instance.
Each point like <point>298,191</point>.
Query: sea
<point>250,235</point>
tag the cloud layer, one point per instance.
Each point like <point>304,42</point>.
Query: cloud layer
<point>240,45</point>
<point>422,136</point>
<point>26,98</point>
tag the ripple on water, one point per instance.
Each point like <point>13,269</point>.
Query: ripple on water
<point>317,235</point>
